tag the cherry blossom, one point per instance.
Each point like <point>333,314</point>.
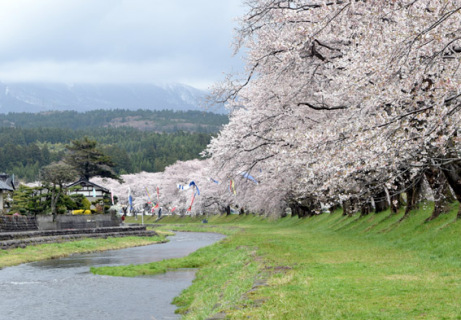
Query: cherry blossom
<point>342,99</point>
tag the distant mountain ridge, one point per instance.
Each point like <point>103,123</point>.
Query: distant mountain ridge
<point>38,97</point>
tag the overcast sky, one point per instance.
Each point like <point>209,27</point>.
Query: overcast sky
<point>104,41</point>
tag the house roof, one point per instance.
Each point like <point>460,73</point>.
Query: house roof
<point>6,183</point>
<point>86,183</point>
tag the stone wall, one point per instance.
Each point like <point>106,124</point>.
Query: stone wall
<point>64,222</point>
<point>11,223</point>
<point>9,240</point>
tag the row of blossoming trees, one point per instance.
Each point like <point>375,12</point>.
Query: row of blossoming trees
<point>342,102</point>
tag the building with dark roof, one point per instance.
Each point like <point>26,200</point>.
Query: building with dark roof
<point>6,186</point>
<point>88,189</point>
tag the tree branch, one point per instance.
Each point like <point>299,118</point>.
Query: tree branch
<point>322,107</point>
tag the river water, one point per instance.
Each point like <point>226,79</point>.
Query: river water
<point>65,289</point>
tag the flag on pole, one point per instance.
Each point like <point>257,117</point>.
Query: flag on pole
<point>148,195</point>
<point>191,203</point>
<point>192,184</point>
<point>130,199</point>
<point>247,175</point>
<point>158,193</point>
<point>232,187</point>
<point>213,180</point>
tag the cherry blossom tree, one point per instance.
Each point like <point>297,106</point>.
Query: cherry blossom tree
<point>344,99</point>
<point>144,185</point>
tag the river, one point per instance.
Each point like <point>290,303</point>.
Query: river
<point>65,289</point>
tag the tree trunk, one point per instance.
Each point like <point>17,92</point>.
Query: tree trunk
<point>355,206</point>
<point>413,193</point>
<point>395,203</point>
<point>301,211</point>
<point>54,202</point>
<point>439,185</point>
<point>453,174</point>
<point>365,208</point>
<point>284,213</point>
<point>335,207</point>
<point>347,207</point>
<point>350,206</point>
<point>310,211</point>
<point>380,202</point>
<point>294,210</point>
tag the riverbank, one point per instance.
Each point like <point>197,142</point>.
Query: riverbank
<point>324,267</point>
<point>62,249</point>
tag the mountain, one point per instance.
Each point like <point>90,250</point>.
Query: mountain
<point>37,97</point>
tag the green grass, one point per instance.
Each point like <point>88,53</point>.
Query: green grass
<point>57,250</point>
<point>324,267</point>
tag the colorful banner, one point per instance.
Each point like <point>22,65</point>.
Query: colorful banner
<point>192,184</point>
<point>191,203</point>
<point>232,187</point>
<point>158,201</point>
<point>181,187</point>
<point>148,195</point>
<point>187,187</point>
<point>130,199</point>
<point>213,180</point>
<point>247,175</point>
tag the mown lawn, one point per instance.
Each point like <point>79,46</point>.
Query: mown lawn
<point>324,267</point>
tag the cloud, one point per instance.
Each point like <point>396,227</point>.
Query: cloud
<point>117,40</point>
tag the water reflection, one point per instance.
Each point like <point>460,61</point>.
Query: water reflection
<point>64,288</point>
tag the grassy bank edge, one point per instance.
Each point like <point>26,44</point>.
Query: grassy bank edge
<point>63,249</point>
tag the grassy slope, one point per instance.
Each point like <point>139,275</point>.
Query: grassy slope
<point>325,267</point>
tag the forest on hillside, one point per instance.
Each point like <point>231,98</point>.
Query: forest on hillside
<point>148,120</point>
<point>32,141</point>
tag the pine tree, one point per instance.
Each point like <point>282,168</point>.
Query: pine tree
<point>84,156</point>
